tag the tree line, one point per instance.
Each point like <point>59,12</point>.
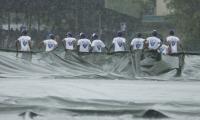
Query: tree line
<point>60,16</point>
<point>185,16</point>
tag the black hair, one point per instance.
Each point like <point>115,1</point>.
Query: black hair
<point>119,34</point>
<point>171,32</point>
<point>52,36</point>
<point>154,33</point>
<point>139,35</point>
<point>24,32</point>
<point>95,36</point>
<point>82,35</point>
<point>69,34</point>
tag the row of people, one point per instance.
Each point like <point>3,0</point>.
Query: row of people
<point>119,43</point>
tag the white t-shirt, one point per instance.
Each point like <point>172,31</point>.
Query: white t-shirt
<point>137,43</point>
<point>69,43</point>
<point>50,44</point>
<point>173,42</point>
<point>153,42</point>
<point>119,44</point>
<point>97,46</point>
<point>24,43</point>
<point>84,45</point>
<point>163,49</point>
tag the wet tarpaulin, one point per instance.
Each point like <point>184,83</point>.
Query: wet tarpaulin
<point>73,86</point>
<point>124,65</point>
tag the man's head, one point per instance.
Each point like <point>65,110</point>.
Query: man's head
<point>52,36</point>
<point>82,35</point>
<point>69,34</point>
<point>139,35</point>
<point>154,33</point>
<point>171,32</point>
<point>24,32</point>
<point>94,36</point>
<point>119,34</point>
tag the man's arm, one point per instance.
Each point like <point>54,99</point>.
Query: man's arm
<point>104,46</point>
<point>125,46</point>
<point>64,43</point>
<point>107,50</point>
<point>75,44</point>
<point>91,48</point>
<point>111,47</point>
<point>159,45</point>
<point>181,46</point>
<point>146,44</point>
<point>17,45</point>
<point>41,44</point>
<point>29,43</point>
<point>56,45</point>
<point>78,47</point>
<point>131,48</point>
